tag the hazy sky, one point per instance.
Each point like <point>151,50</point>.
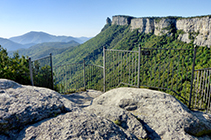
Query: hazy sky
<point>85,17</point>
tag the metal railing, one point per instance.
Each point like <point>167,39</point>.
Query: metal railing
<point>155,68</point>
<point>121,67</point>
<point>78,76</point>
<point>202,90</point>
<point>41,72</point>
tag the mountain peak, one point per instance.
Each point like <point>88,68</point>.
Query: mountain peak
<point>41,37</point>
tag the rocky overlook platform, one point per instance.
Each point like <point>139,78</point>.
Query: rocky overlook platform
<point>28,112</point>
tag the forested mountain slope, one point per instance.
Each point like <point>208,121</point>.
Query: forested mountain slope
<point>122,37</point>
<point>43,49</point>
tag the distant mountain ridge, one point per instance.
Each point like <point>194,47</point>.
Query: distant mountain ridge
<point>41,37</point>
<point>32,38</point>
<point>10,45</point>
<point>44,49</point>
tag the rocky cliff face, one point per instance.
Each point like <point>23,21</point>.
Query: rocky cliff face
<point>197,29</point>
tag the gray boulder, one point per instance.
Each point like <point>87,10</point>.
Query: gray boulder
<point>77,125</point>
<point>22,105</point>
<point>163,116</point>
<point>126,120</point>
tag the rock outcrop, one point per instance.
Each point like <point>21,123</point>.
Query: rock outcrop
<point>77,125</point>
<point>108,20</point>
<point>197,29</point>
<point>22,105</point>
<point>126,120</point>
<point>163,116</point>
<point>28,112</point>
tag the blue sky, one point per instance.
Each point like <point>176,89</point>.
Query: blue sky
<point>85,17</point>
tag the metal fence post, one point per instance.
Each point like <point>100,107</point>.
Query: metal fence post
<point>30,70</point>
<point>104,69</point>
<point>192,76</point>
<point>139,62</point>
<point>84,76</point>
<point>51,64</point>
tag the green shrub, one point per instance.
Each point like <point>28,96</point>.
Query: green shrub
<point>15,68</point>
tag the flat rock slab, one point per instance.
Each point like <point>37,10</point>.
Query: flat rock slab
<point>22,105</point>
<point>163,116</point>
<point>77,125</point>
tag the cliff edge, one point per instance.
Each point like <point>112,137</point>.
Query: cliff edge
<point>196,29</point>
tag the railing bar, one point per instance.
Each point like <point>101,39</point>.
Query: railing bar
<point>172,81</point>
<point>120,50</point>
<point>164,70</point>
<point>118,63</point>
<point>203,69</point>
<point>65,78</point>
<point>155,68</point>
<point>205,88</point>
<point>69,64</point>
<point>151,57</point>
<point>113,70</point>
<point>121,67</point>
<point>75,80</point>
<point>110,69</point>
<point>125,68</point>
<point>139,66</point>
<point>129,74</point>
<point>168,68</point>
<point>94,65</point>
<point>177,83</point>
<point>200,89</point>
<point>195,92</point>
<point>41,58</point>
<point>132,68</point>
<point>134,75</point>
<point>148,48</point>
<point>142,69</point>
<point>209,103</point>
<point>125,79</point>
<point>209,90</point>
<point>183,65</point>
<point>146,70</point>
<point>90,75</point>
<point>124,61</point>
<point>159,73</point>
<point>135,69</point>
<point>186,77</point>
<point>166,49</point>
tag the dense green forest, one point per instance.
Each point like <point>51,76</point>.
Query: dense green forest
<point>121,37</point>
